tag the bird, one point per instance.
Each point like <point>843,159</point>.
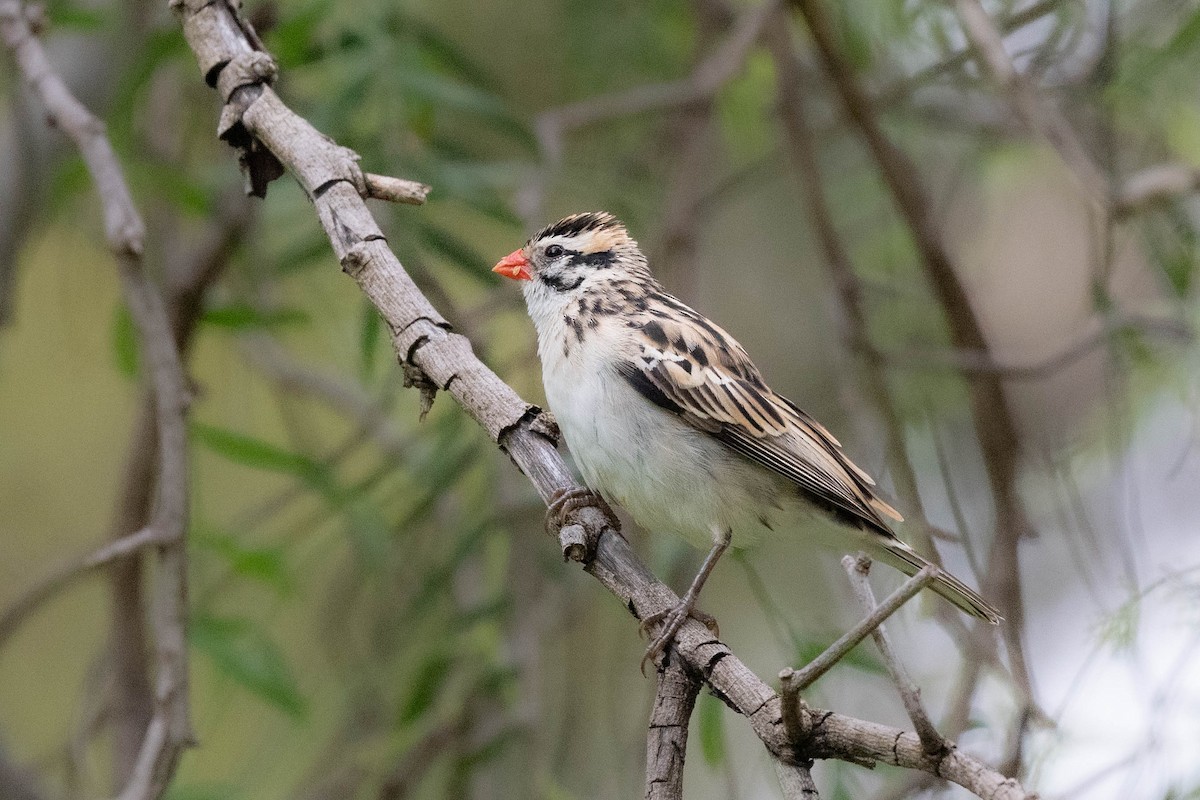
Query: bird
<point>666,416</point>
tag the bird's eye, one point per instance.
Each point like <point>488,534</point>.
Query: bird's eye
<point>554,251</point>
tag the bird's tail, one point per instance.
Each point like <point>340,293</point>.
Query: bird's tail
<point>899,555</point>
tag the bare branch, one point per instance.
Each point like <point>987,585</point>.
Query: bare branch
<point>994,422</point>
<point>707,78</point>
<point>1038,116</point>
<point>71,571</point>
<point>796,781</point>
<point>422,341</point>
<point>170,728</point>
<point>873,377</point>
<point>959,58</point>
<point>1157,184</point>
<point>933,742</point>
<point>850,639</point>
<point>666,740</point>
<point>981,362</point>
<point>267,355</point>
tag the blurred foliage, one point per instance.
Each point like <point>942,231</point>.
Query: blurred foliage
<point>373,604</point>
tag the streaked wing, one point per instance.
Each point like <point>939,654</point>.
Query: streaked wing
<point>693,368</point>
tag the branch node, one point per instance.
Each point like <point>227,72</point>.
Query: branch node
<point>415,378</point>
<point>573,539</point>
<point>246,69</point>
<point>545,425</point>
<point>796,721</point>
<point>357,257</point>
<point>578,517</point>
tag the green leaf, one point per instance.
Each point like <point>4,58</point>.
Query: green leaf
<point>294,40</point>
<point>368,340</point>
<point>264,564</point>
<point>426,686</point>
<point>369,532</point>
<point>125,342</point>
<point>442,243</point>
<point>256,453</point>
<point>241,316</point>
<point>446,92</point>
<point>712,736</point>
<point>243,653</point>
<point>182,190</point>
<point>63,17</point>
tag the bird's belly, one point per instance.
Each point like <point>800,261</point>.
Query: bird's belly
<point>670,477</point>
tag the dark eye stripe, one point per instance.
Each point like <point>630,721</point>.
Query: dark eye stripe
<point>560,284</point>
<point>598,260</point>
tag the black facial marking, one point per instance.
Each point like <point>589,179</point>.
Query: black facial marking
<point>655,331</point>
<point>598,260</point>
<point>558,283</point>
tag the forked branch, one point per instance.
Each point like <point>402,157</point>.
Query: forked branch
<point>170,728</point>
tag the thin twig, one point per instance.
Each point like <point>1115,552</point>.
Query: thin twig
<point>933,742</point>
<point>170,727</point>
<point>959,58</point>
<point>395,190</point>
<point>1038,116</point>
<point>872,372</point>
<point>71,571</point>
<point>186,281</point>
<point>814,669</point>
<point>994,422</point>
<point>973,362</point>
<point>348,399</point>
<point>705,80</point>
<point>1157,184</point>
<point>666,739</point>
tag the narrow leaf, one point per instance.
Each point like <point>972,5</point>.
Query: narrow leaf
<point>252,452</point>
<point>243,653</point>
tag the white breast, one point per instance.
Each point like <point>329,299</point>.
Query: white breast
<point>669,476</point>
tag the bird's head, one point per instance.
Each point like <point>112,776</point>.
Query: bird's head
<point>572,254</point>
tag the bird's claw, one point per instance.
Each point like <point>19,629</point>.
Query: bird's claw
<point>565,502</point>
<point>672,620</point>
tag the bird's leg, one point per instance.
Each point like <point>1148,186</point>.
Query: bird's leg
<point>564,502</point>
<point>672,619</point>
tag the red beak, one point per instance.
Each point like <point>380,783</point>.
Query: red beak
<point>514,265</point>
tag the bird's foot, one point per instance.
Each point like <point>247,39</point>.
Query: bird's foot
<point>672,620</point>
<point>566,503</point>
